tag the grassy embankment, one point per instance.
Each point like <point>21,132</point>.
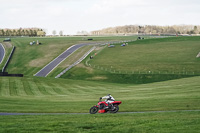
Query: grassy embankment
<point>142,61</point>
<point>28,59</point>
<point>34,94</point>
<point>179,122</point>
<point>62,95</point>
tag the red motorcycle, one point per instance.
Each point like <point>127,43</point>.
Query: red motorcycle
<point>103,107</point>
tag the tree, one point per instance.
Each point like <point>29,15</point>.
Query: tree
<point>14,33</point>
<point>31,32</point>
<point>34,33</point>
<point>61,33</point>
<point>41,33</point>
<point>27,32</point>
<point>23,32</point>
<point>54,32</point>
<point>195,30</point>
<point>171,30</point>
<point>18,32</point>
<point>192,32</point>
<point>7,33</point>
<point>2,32</point>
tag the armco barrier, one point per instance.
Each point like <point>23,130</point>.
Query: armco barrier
<point>6,64</point>
<point>10,75</point>
<point>77,62</point>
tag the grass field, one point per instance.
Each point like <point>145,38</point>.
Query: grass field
<point>18,94</point>
<point>28,59</point>
<point>150,60</point>
<point>70,60</point>
<point>62,95</point>
<point>80,88</point>
<point>179,122</point>
<point>154,55</point>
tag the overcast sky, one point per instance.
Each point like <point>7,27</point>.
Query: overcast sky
<point>77,15</point>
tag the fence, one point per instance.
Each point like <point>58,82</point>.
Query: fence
<point>3,73</point>
<point>10,56</point>
<point>117,71</point>
<point>86,54</point>
<point>10,75</point>
<point>77,62</point>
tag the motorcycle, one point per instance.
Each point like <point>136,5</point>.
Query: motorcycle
<point>103,107</point>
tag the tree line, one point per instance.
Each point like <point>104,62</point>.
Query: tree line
<point>23,32</point>
<point>150,29</point>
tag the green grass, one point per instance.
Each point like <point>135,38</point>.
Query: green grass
<point>28,60</point>
<point>142,61</point>
<point>48,95</point>
<point>17,94</point>
<point>70,60</point>
<point>179,122</point>
<point>155,55</point>
<point>62,95</point>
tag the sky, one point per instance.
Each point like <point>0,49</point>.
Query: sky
<point>72,16</point>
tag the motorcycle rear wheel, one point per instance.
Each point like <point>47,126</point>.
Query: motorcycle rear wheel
<point>94,110</point>
<point>115,110</point>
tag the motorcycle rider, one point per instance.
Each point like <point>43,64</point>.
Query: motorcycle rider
<point>109,100</point>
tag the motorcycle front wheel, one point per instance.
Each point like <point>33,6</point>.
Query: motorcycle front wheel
<point>94,110</point>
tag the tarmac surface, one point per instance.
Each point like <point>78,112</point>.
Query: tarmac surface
<point>49,67</point>
<point>2,53</point>
<point>53,64</point>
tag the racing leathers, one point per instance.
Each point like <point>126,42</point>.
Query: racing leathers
<point>109,99</point>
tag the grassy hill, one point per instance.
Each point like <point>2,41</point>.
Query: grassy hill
<point>62,95</point>
<point>154,55</point>
<point>166,59</point>
<point>129,58</point>
<point>142,61</point>
<point>30,59</point>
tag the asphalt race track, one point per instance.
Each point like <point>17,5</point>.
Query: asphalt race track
<point>48,68</point>
<point>2,53</point>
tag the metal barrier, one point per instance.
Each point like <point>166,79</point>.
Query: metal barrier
<point>10,75</point>
<point>10,56</point>
<point>77,62</point>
